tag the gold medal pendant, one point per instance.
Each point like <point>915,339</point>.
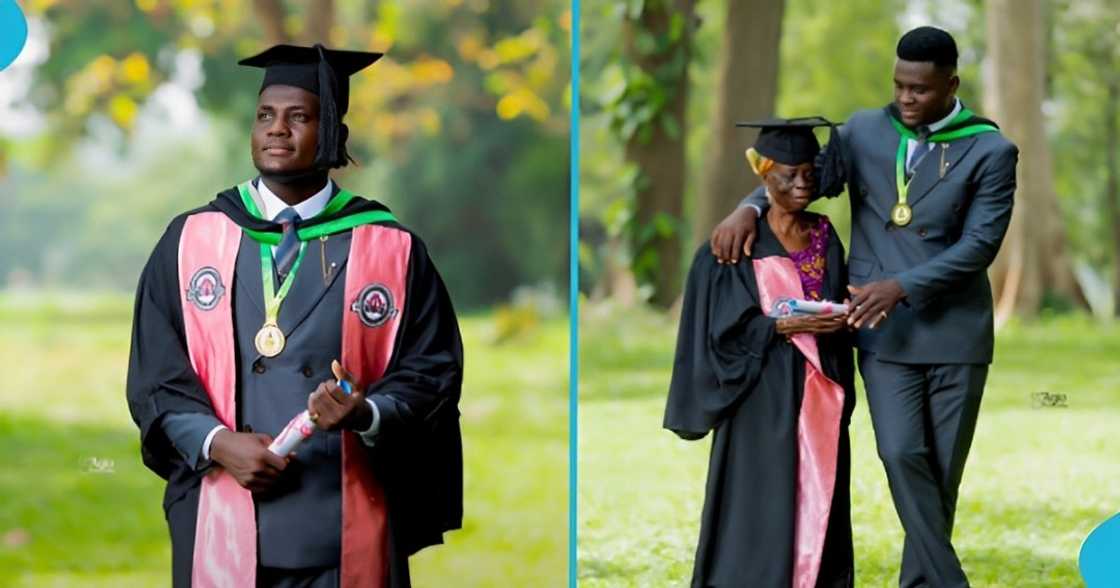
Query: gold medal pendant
<point>269,340</point>
<point>901,214</point>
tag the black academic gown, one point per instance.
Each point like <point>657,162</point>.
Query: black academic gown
<point>418,457</point>
<point>733,374</point>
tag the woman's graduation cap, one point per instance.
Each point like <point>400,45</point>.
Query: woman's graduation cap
<point>325,73</point>
<point>791,141</point>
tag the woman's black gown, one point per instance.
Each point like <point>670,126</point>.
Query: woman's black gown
<point>733,374</point>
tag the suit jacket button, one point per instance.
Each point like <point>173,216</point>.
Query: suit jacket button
<point>258,367</point>
<point>922,233</point>
<point>306,371</point>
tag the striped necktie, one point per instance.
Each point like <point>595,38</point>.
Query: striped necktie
<point>920,151</point>
<point>285,253</point>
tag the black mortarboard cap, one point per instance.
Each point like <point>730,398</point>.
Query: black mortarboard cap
<point>323,72</point>
<point>792,142</point>
<point>789,141</point>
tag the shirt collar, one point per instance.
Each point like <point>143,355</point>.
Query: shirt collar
<point>937,126</point>
<point>306,209</point>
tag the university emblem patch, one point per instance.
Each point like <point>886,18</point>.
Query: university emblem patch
<point>374,305</point>
<point>205,288</point>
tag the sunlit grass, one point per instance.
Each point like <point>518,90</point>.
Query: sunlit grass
<point>66,520</point>
<point>1038,479</point>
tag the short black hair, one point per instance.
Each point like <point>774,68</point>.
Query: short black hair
<point>928,44</point>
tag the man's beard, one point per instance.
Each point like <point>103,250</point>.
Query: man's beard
<point>310,175</point>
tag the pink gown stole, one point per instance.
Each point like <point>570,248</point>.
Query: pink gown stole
<point>225,549</point>
<point>818,428</point>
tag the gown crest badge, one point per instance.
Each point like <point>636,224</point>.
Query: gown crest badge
<point>374,305</point>
<point>205,288</point>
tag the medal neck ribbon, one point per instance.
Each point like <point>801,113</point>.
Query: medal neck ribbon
<point>272,297</point>
<point>958,128</point>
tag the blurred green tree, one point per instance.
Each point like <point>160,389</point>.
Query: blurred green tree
<point>1033,257</point>
<point>461,128</point>
<point>1085,81</point>
<point>747,89</point>
<point>650,117</point>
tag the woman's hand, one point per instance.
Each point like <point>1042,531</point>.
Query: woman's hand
<point>812,324</point>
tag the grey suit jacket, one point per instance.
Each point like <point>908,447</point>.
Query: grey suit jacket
<point>941,257</point>
<point>298,522</point>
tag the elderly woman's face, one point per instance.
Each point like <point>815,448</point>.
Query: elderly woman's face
<point>791,187</point>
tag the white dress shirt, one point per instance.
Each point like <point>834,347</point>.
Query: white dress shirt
<point>912,144</point>
<point>310,207</point>
<point>273,205</point>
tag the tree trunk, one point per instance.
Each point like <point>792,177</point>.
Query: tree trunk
<point>658,150</point>
<point>320,19</point>
<point>748,88</point>
<point>271,15</point>
<point>1033,258</point>
<point>1112,186</point>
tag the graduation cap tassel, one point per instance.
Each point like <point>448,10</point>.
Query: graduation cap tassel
<point>831,165</point>
<point>342,152</point>
<point>329,154</point>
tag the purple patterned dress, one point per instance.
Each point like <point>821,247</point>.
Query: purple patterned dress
<point>810,262</point>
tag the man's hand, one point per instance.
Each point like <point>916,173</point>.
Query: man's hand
<point>332,409</point>
<point>812,324</point>
<point>247,458</point>
<point>871,303</point>
<point>735,233</point>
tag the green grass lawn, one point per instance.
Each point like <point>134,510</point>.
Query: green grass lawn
<point>1038,479</point>
<point>77,508</point>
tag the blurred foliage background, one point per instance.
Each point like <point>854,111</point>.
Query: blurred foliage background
<point>120,114</point>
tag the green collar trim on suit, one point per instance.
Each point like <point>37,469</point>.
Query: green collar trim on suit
<point>335,205</point>
<point>961,126</point>
<point>953,131</point>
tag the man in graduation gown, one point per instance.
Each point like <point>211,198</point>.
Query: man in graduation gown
<point>240,313</point>
<point>931,187</point>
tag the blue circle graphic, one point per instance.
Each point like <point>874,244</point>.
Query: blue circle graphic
<point>1099,565</point>
<point>13,32</point>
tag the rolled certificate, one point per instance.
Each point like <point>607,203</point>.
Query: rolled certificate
<point>792,306</point>
<point>299,428</point>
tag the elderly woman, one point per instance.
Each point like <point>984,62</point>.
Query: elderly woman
<point>778,392</point>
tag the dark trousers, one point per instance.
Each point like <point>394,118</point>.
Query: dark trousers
<point>924,417</point>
